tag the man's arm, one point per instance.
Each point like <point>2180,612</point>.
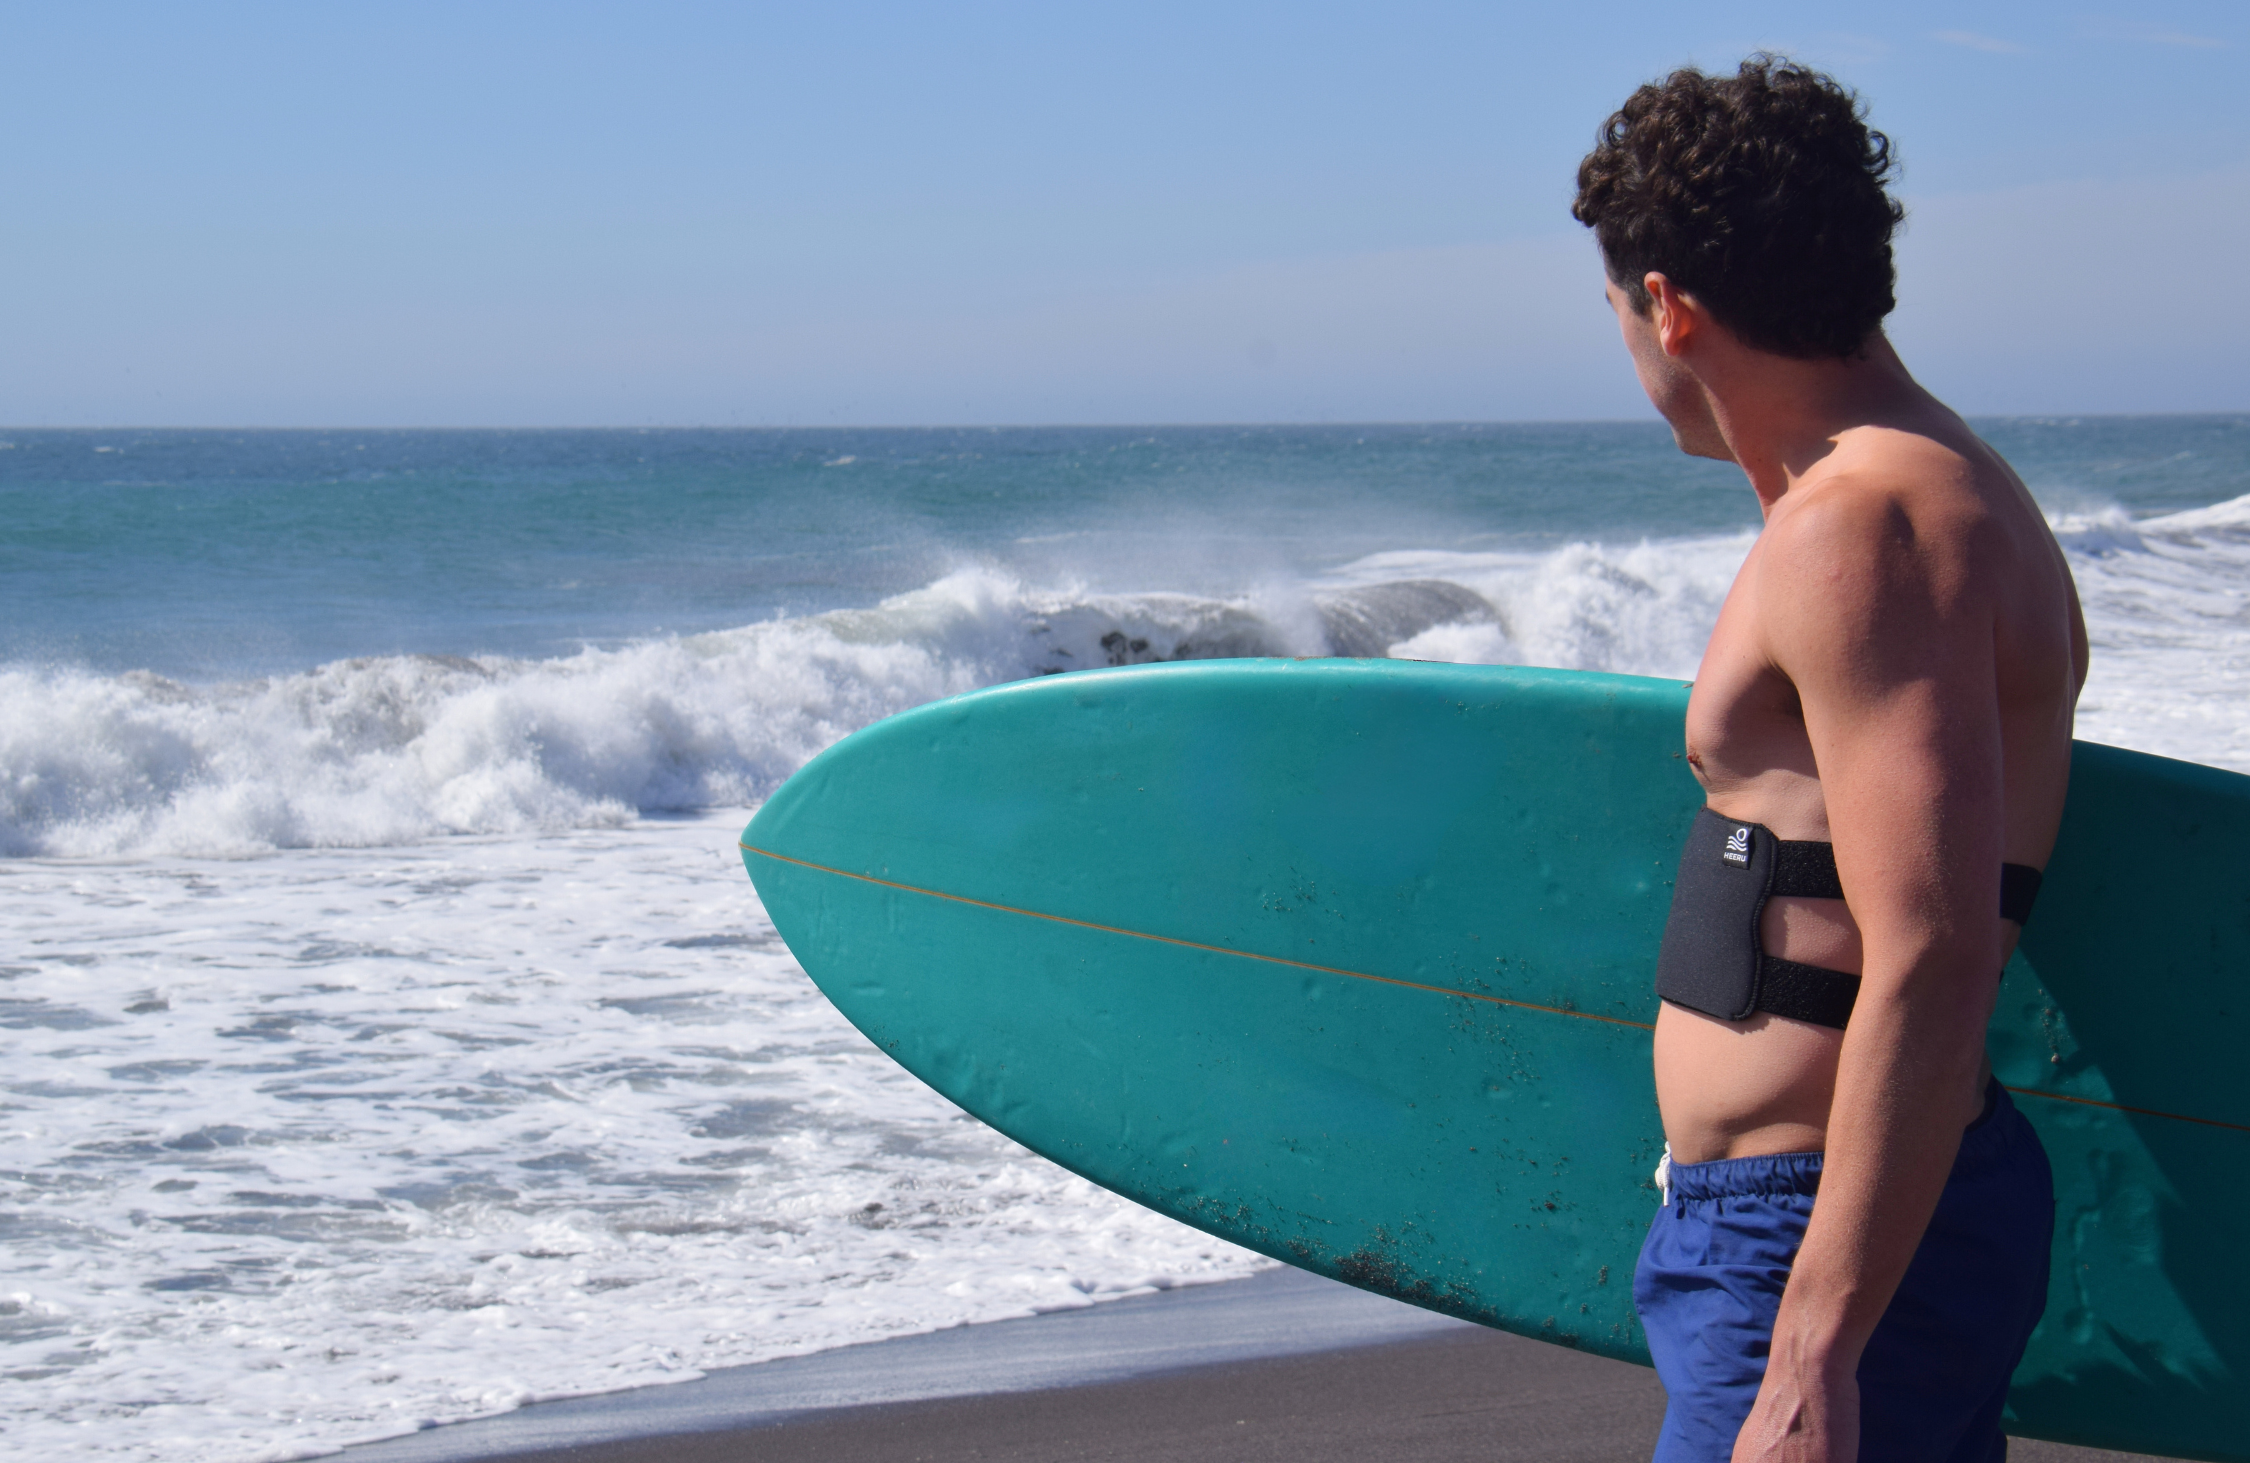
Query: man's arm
<point>1882,625</point>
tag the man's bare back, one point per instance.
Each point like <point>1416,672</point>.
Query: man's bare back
<point>1908,531</point>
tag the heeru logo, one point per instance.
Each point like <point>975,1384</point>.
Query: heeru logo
<point>1737,851</point>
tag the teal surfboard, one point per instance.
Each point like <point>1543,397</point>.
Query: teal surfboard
<point>1350,962</point>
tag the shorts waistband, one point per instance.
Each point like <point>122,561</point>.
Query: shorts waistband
<point>1799,1173</point>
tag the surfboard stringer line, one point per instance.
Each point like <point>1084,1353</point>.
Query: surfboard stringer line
<point>1381,979</point>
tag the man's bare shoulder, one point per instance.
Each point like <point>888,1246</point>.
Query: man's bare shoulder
<point>1888,503</point>
<point>1894,546</point>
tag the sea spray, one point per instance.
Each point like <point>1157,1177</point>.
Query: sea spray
<point>391,749</point>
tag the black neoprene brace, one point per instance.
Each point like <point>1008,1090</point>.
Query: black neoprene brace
<point>1713,960</point>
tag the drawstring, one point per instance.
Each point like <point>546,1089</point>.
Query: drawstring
<point>1664,1176</point>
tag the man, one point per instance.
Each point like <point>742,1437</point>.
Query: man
<point>1893,674</point>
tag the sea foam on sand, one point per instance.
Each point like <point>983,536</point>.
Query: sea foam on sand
<point>327,1146</point>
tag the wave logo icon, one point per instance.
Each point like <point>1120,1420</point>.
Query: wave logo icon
<point>1737,850</point>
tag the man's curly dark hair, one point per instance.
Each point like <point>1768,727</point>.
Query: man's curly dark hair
<point>1761,194</point>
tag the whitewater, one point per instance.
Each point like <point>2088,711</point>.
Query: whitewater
<point>398,1041</point>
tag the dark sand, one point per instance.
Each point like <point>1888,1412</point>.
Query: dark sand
<point>1188,1377</point>
<point>1483,1397</point>
<point>1465,1395</point>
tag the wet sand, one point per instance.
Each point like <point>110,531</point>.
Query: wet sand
<point>1468,1395</point>
<point>1280,1367</point>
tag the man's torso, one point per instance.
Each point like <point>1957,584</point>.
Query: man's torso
<point>1763,1085</point>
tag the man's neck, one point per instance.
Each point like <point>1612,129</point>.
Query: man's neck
<point>1779,417</point>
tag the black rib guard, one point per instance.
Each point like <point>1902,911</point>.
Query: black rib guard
<point>2019,890</point>
<point>1709,959</point>
<point>1713,958</point>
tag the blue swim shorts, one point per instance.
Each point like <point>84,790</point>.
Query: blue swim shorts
<point>1935,1373</point>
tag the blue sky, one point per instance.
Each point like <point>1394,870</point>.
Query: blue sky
<point>488,214</point>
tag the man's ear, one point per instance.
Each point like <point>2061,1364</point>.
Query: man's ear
<point>1677,316</point>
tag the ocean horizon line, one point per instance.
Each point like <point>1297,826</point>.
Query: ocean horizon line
<point>1032,426</point>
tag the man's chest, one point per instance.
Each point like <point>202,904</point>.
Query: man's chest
<point>1745,722</point>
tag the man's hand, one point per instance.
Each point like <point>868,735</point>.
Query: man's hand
<point>1801,1418</point>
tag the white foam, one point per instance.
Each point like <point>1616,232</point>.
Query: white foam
<point>381,751</point>
<point>1644,609</point>
<point>2166,600</point>
<point>371,752</point>
<point>332,1145</point>
<point>2167,604</point>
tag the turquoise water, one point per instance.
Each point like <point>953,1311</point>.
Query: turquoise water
<point>220,641</point>
<point>205,554</point>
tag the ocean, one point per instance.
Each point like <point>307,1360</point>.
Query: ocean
<point>392,1036</point>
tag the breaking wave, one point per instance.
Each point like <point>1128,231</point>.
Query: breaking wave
<point>393,749</point>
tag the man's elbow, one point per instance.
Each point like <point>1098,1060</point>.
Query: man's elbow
<point>1933,990</point>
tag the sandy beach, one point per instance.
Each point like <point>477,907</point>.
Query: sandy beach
<point>1284,1365</point>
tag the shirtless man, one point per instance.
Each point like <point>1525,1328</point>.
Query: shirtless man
<point>1893,674</point>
